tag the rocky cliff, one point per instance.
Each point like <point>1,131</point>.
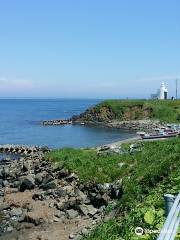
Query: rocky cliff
<point>103,113</point>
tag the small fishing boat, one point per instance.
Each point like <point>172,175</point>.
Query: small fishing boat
<point>160,133</point>
<point>157,136</point>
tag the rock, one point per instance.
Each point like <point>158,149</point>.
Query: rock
<point>1,194</point>
<point>71,213</point>
<point>81,197</point>
<point>121,164</point>
<point>55,219</point>
<point>1,183</point>
<point>16,225</point>
<point>105,198</point>
<point>4,173</point>
<point>72,202</point>
<point>25,166</point>
<point>1,173</point>
<point>63,173</point>
<point>88,210</point>
<point>5,183</point>
<point>16,184</point>
<point>60,205</point>
<point>4,206</point>
<point>60,192</point>
<point>69,190</point>
<point>45,149</point>
<point>59,214</point>
<point>50,185</point>
<point>71,236</point>
<point>47,178</point>
<point>17,212</point>
<point>39,177</point>
<point>9,229</point>
<point>28,182</point>
<point>116,189</point>
<point>38,196</point>
<point>84,231</point>
<point>72,177</point>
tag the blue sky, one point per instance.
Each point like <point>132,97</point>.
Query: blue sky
<point>88,48</point>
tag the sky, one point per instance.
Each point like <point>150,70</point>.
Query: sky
<point>88,48</point>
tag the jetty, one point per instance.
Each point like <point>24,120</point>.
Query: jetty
<point>56,122</point>
<point>22,149</point>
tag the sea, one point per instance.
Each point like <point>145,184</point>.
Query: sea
<point>20,123</point>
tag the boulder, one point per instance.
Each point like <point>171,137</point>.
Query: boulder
<point>81,197</point>
<point>63,173</point>
<point>25,166</point>
<point>39,177</point>
<point>16,212</point>
<point>116,189</point>
<point>59,214</point>
<point>88,210</point>
<point>71,213</point>
<point>50,185</point>
<point>28,182</point>
<point>16,184</point>
<point>5,183</point>
<point>60,192</point>
<point>39,196</point>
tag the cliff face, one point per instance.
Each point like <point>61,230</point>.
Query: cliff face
<point>102,114</point>
<point>106,114</point>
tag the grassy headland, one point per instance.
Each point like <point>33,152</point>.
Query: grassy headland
<point>125,110</point>
<point>145,175</point>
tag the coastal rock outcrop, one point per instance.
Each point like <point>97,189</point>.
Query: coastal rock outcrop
<point>131,118</point>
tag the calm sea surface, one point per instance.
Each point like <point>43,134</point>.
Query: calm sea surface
<point>20,124</point>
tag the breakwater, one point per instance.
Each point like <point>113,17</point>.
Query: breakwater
<point>56,122</point>
<point>22,149</point>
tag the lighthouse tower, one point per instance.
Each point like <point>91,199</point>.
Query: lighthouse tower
<point>163,92</point>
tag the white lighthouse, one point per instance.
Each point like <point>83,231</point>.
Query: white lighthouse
<point>162,93</point>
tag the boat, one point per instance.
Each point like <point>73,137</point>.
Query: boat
<point>162,135</point>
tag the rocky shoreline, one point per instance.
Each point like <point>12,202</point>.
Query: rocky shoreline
<point>36,196</point>
<point>134,125</point>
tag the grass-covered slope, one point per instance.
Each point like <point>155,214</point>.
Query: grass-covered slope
<point>147,213</point>
<point>145,175</point>
<point>168,111</point>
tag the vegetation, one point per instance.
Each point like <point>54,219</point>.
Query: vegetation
<point>167,111</point>
<point>146,176</point>
<point>148,214</point>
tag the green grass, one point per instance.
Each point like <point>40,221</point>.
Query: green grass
<point>88,165</point>
<point>146,176</point>
<point>145,167</point>
<point>167,111</point>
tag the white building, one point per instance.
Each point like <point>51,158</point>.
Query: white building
<point>161,94</point>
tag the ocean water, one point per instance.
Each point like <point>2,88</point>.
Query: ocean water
<point>20,124</point>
